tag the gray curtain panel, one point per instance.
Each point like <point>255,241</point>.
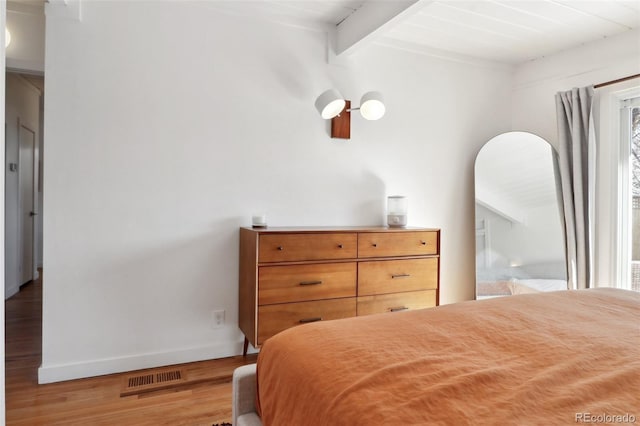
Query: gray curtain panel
<point>575,179</point>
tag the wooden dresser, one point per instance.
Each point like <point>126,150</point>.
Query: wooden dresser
<point>292,276</point>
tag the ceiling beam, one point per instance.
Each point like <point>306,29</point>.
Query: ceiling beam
<point>370,21</point>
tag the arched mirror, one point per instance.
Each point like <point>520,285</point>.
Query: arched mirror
<point>519,243</point>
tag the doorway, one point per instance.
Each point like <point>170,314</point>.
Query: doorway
<point>23,185</point>
<point>27,204</point>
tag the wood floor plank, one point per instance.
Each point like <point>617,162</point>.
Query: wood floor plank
<point>203,401</point>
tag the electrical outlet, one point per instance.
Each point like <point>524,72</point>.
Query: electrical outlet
<point>218,318</point>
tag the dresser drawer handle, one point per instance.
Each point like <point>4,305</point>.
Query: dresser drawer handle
<point>280,248</point>
<point>424,243</point>
<point>398,309</point>
<point>340,246</point>
<point>306,320</point>
<point>311,282</point>
<point>374,244</point>
<point>400,275</point>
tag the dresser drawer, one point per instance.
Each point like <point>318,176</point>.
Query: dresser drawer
<point>276,318</point>
<point>396,302</point>
<point>299,247</point>
<point>392,276</point>
<point>297,283</point>
<point>387,244</point>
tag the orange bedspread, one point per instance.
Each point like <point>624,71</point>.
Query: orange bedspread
<point>535,359</point>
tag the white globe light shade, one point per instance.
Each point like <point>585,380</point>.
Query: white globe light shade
<point>330,103</point>
<point>7,37</point>
<point>372,106</point>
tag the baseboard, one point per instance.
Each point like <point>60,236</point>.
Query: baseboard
<point>59,373</point>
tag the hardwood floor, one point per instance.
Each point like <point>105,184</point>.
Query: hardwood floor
<point>204,400</point>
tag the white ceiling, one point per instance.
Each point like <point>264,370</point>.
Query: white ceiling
<point>516,31</point>
<point>509,31</point>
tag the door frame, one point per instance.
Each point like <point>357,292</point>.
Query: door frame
<point>34,203</point>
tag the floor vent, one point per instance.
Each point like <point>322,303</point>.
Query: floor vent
<point>169,376</point>
<point>137,381</point>
<point>149,382</point>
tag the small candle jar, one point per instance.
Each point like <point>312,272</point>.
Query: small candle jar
<point>259,220</point>
<point>397,211</point>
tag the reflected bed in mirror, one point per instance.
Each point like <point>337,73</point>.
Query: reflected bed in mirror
<point>519,243</point>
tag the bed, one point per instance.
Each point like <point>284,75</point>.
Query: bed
<point>539,358</point>
<point>490,289</point>
<point>528,278</point>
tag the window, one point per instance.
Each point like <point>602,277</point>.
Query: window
<point>630,188</point>
<point>634,167</point>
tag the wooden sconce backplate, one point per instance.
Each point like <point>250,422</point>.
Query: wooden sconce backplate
<point>341,125</point>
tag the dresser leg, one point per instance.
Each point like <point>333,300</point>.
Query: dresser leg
<point>246,346</point>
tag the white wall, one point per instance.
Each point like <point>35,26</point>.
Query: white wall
<point>3,16</point>
<point>537,82</point>
<point>169,124</point>
<point>22,103</point>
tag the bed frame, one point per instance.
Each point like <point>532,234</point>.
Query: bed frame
<point>244,397</point>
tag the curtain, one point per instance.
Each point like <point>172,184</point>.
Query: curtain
<point>575,179</point>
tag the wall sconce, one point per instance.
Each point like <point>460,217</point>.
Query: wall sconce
<point>7,37</point>
<point>331,105</point>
